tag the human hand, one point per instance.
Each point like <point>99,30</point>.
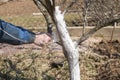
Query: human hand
<point>42,39</point>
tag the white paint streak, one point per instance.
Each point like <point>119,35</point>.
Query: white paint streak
<point>72,52</point>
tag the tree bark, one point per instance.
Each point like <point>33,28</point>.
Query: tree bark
<point>68,45</point>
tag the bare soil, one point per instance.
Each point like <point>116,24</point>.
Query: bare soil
<point>18,7</point>
<point>108,68</point>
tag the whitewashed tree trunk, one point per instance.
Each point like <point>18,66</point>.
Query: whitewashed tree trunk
<point>70,51</point>
<point>68,45</point>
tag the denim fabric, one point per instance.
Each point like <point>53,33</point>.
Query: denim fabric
<point>22,35</point>
<point>1,32</point>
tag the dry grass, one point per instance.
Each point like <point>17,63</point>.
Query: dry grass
<point>46,64</point>
<point>26,21</point>
<point>32,66</point>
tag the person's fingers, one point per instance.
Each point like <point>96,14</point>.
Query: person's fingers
<point>42,39</point>
<point>47,39</point>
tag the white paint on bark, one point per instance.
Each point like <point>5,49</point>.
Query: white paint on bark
<point>68,45</point>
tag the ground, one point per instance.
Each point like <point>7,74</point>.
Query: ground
<point>99,59</point>
<point>18,7</point>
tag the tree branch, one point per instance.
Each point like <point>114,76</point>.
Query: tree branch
<point>51,8</point>
<point>70,5</point>
<point>46,16</point>
<point>100,25</point>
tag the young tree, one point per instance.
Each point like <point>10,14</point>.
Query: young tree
<point>101,12</point>
<point>70,51</point>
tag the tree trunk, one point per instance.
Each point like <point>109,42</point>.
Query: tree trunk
<point>70,51</point>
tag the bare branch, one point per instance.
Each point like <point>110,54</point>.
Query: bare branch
<point>85,12</point>
<point>102,14</point>
<point>38,4</point>
<point>46,3</point>
<point>70,5</point>
<point>46,16</point>
<point>51,8</point>
<point>42,2</point>
<point>100,25</point>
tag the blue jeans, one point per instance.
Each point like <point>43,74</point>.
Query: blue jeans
<point>12,34</point>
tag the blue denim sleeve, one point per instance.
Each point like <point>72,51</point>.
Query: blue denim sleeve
<point>15,34</point>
